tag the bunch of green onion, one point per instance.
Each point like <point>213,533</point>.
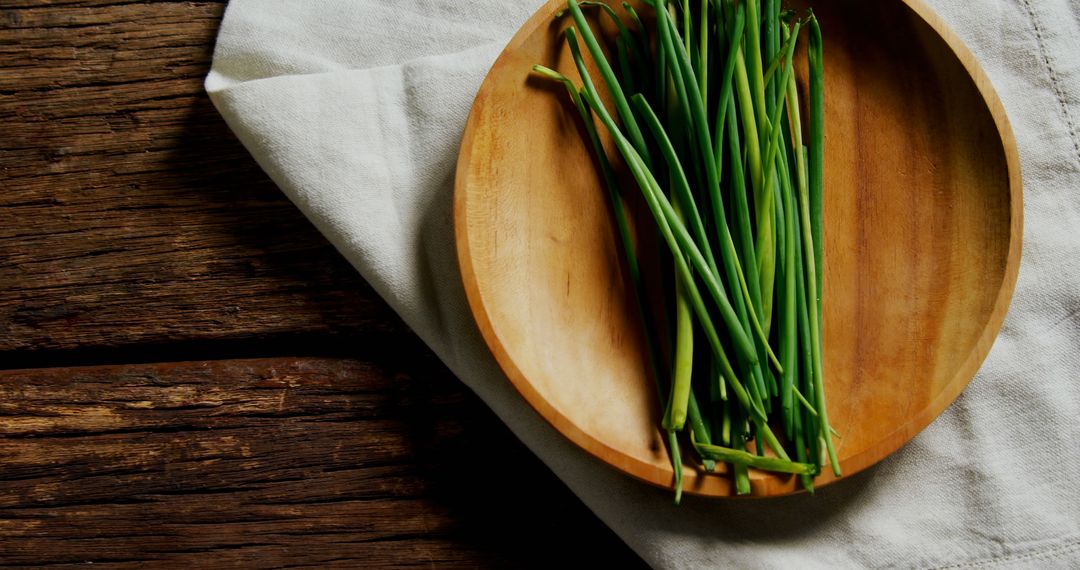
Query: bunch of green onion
<point>708,124</point>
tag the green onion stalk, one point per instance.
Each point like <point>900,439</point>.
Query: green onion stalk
<point>700,101</point>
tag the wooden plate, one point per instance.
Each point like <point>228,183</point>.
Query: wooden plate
<point>922,241</point>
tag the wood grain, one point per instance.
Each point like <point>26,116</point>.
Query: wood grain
<point>272,462</point>
<point>134,228</point>
<point>129,213</point>
<point>922,218</point>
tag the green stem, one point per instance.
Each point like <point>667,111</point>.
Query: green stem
<point>676,462</point>
<point>788,334</point>
<point>738,457</point>
<point>633,268</point>
<point>703,49</point>
<point>698,430</point>
<point>749,275</point>
<point>805,365</point>
<point>613,85</point>
<point>738,27</point>
<point>749,107</point>
<point>680,184</point>
<point>671,229</point>
<point>728,256</point>
<point>800,453</point>
<point>753,39</point>
<point>817,146</point>
<point>684,360</point>
<point>815,330</point>
<point>750,129</point>
<point>667,222</point>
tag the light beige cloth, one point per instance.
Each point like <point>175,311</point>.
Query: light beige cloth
<point>356,109</point>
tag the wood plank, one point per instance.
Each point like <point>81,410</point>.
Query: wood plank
<point>129,213</point>
<point>134,228</point>
<point>261,463</point>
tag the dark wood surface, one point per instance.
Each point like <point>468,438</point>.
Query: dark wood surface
<point>189,374</point>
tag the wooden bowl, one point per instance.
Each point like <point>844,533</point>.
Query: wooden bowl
<point>922,217</point>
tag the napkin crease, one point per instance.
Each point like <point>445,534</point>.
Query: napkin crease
<point>356,110</point>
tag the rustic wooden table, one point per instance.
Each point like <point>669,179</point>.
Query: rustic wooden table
<point>191,375</point>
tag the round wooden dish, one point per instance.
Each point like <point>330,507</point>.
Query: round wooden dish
<point>922,241</point>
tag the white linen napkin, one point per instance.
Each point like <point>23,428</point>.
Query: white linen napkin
<point>356,108</point>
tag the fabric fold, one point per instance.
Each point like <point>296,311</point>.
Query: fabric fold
<point>356,110</point>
